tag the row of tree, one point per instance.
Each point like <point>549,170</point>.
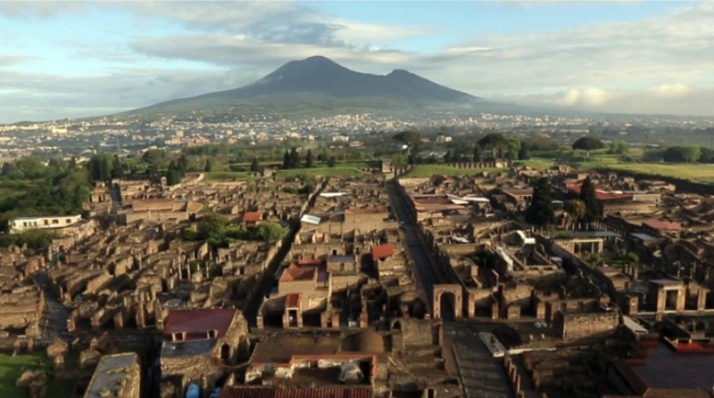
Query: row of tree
<point>292,159</point>
<point>541,211</point>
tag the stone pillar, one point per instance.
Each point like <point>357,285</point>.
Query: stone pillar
<point>633,305</point>
<point>540,310</point>
<point>259,322</point>
<point>336,320</point>
<point>701,299</point>
<point>119,320</point>
<point>681,298</point>
<point>140,315</point>
<point>661,300</point>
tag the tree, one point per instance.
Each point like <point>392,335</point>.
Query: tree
<point>173,175</point>
<point>448,157</point>
<point>286,160</point>
<point>294,158</point>
<point>512,149</point>
<point>691,153</point>
<point>618,147</point>
<point>208,167</point>
<point>308,159</point>
<point>540,144</point>
<point>182,164</point>
<point>576,209</point>
<point>99,168</point>
<point>682,154</point>
<point>212,224</point>
<point>409,138</point>
<point>493,140</point>
<point>399,161</point>
<point>524,153</point>
<point>541,212</point>
<point>117,168</point>
<point>706,155</point>
<point>477,153</point>
<point>588,195</point>
<point>588,143</point>
<point>254,165</point>
<point>269,232</point>
<point>332,161</point>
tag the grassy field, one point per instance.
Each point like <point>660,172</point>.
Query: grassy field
<point>12,367</point>
<point>694,172</point>
<point>428,170</point>
<point>538,164</point>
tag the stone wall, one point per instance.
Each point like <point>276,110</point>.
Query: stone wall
<point>575,326</point>
<point>21,308</point>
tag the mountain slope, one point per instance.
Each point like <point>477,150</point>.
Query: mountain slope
<point>319,80</point>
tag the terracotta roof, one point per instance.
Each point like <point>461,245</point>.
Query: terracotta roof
<point>252,216</point>
<point>292,300</point>
<point>601,193</point>
<point>194,207</point>
<point>382,251</point>
<point>197,322</point>
<point>297,274</point>
<point>319,392</point>
<point>663,225</point>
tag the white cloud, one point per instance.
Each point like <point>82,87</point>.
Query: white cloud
<point>670,90</point>
<point>661,62</point>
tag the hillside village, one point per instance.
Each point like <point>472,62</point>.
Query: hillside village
<point>367,287</point>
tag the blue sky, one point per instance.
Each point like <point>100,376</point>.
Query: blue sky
<point>69,59</point>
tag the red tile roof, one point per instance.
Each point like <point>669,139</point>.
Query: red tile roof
<point>382,251</point>
<point>252,216</point>
<point>292,300</point>
<point>298,274</point>
<point>320,392</point>
<point>601,193</point>
<point>197,322</point>
<point>663,225</point>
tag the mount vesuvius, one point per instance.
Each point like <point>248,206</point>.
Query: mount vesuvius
<point>322,84</point>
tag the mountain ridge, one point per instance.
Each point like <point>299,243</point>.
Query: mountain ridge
<point>321,77</point>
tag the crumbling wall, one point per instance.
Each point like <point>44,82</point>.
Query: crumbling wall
<point>575,326</point>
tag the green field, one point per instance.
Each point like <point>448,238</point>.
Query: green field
<point>538,164</point>
<point>12,367</point>
<point>694,172</point>
<point>428,170</point>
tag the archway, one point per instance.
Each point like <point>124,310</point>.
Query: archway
<point>448,307</point>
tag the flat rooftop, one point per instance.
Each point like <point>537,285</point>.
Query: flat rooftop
<point>109,373</point>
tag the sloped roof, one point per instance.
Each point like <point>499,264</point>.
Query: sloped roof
<point>252,216</point>
<point>382,251</point>
<point>298,274</point>
<point>197,322</point>
<point>663,225</point>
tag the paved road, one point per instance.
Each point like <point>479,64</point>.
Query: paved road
<point>482,376</point>
<point>426,277</point>
<point>54,319</point>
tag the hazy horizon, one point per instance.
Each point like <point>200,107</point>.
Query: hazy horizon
<point>76,59</point>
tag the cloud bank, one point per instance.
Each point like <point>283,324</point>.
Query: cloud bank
<point>663,64</point>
